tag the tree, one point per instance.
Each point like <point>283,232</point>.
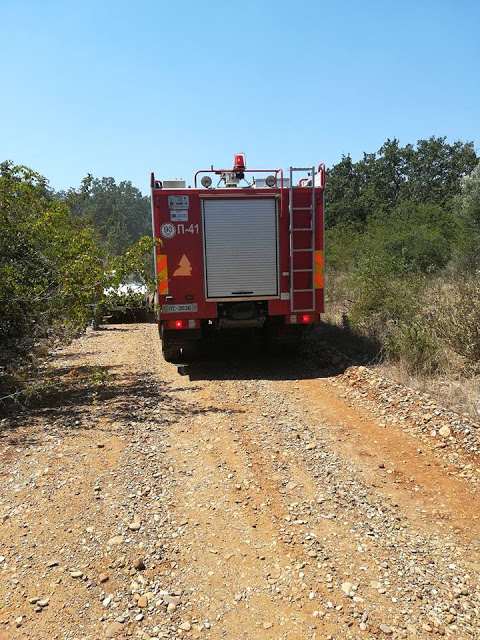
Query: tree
<point>429,172</point>
<point>119,213</point>
<point>435,168</point>
<point>343,190</point>
<point>413,238</point>
<point>49,264</point>
<point>467,208</point>
<point>468,200</point>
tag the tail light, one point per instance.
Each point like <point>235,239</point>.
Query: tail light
<point>182,324</point>
<point>304,318</point>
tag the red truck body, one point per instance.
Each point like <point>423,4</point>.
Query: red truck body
<point>238,257</point>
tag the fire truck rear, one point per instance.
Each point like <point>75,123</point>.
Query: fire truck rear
<point>243,254</point>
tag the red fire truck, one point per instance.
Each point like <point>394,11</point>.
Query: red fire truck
<point>245,253</point>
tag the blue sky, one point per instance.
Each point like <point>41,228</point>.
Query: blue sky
<point>123,88</point>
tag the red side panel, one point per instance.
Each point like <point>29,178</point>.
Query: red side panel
<point>302,260</point>
<point>178,226</point>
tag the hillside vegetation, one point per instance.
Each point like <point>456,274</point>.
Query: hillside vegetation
<point>402,240</point>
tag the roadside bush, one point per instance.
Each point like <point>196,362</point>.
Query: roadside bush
<point>49,266</point>
<point>343,252</point>
<point>381,297</point>
<point>345,246</point>
<point>388,308</point>
<point>415,344</point>
<point>417,237</point>
<point>457,320</point>
<point>399,222</point>
<point>467,209</point>
<point>383,270</point>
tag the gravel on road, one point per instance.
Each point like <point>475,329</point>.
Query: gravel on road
<point>251,498</point>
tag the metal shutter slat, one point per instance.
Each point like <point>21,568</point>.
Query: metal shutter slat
<point>241,247</point>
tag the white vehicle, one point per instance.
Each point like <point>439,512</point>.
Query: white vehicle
<point>128,301</point>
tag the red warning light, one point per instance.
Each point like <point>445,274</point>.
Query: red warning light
<point>306,318</point>
<point>239,164</point>
<point>178,324</point>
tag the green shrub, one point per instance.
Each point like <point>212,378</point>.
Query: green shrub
<point>388,307</point>
<point>457,320</point>
<point>418,238</point>
<point>415,344</point>
<point>49,266</point>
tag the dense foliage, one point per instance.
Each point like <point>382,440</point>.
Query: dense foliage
<point>428,172</point>
<point>119,213</point>
<point>60,253</point>
<point>402,244</point>
<point>49,264</point>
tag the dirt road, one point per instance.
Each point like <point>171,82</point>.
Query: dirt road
<point>248,499</point>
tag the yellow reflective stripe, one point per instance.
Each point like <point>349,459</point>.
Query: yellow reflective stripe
<point>162,274</point>
<point>319,269</point>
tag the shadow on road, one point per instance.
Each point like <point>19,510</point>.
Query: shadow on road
<point>66,395</point>
<point>73,399</point>
<point>327,351</point>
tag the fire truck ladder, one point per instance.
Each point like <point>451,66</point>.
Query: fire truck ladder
<point>294,233</point>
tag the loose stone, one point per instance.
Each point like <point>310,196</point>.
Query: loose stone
<point>113,629</point>
<point>384,628</point>
<point>138,564</point>
<point>142,602</point>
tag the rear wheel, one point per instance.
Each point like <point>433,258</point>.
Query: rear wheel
<point>282,338</point>
<point>273,344</point>
<point>172,354</point>
<point>192,351</point>
<point>171,351</point>
<point>292,347</point>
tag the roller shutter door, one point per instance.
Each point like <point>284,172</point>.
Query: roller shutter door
<point>240,248</point>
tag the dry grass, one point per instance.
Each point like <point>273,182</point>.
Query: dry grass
<point>450,315</point>
<point>336,301</point>
<point>459,394</point>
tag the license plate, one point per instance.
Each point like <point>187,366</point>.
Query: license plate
<point>179,308</point>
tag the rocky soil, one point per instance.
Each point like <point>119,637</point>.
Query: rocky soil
<point>283,499</point>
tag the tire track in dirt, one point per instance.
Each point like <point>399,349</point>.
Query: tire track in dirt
<point>267,505</point>
<point>408,511</point>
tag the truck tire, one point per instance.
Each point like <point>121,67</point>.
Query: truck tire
<point>273,344</point>
<point>172,354</point>
<point>171,351</point>
<point>292,347</point>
